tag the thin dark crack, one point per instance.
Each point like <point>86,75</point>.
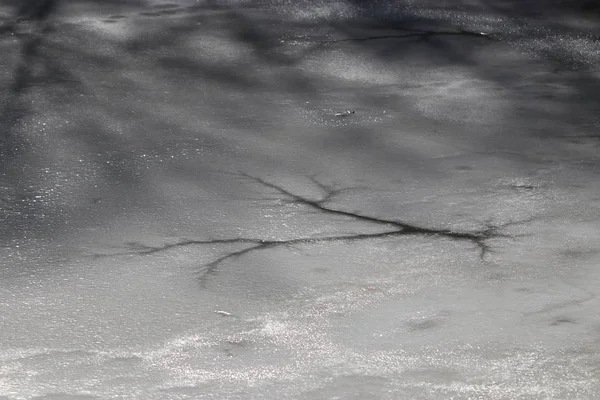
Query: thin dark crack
<point>211,268</point>
<point>331,190</point>
<point>480,238</point>
<point>559,306</point>
<point>319,204</point>
<point>142,249</point>
<point>323,187</point>
<point>398,228</point>
<point>565,304</point>
<point>407,229</point>
<point>420,34</point>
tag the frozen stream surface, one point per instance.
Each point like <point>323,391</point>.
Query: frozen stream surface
<point>183,216</point>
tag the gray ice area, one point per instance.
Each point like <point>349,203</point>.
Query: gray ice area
<point>184,216</point>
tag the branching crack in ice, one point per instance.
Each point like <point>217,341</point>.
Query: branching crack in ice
<point>390,228</point>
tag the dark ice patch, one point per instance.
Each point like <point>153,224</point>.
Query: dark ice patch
<point>422,325</point>
<point>168,12</point>
<point>562,321</point>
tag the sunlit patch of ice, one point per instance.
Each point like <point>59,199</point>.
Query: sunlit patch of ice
<point>297,345</point>
<point>219,50</point>
<point>327,117</point>
<point>326,10</point>
<point>119,32</point>
<point>572,52</point>
<point>452,96</point>
<point>358,68</point>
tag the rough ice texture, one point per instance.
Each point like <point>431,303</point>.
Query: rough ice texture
<point>183,215</point>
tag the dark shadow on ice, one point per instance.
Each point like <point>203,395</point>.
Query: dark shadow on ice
<point>40,67</point>
<point>156,38</point>
<point>36,10</point>
<point>14,108</point>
